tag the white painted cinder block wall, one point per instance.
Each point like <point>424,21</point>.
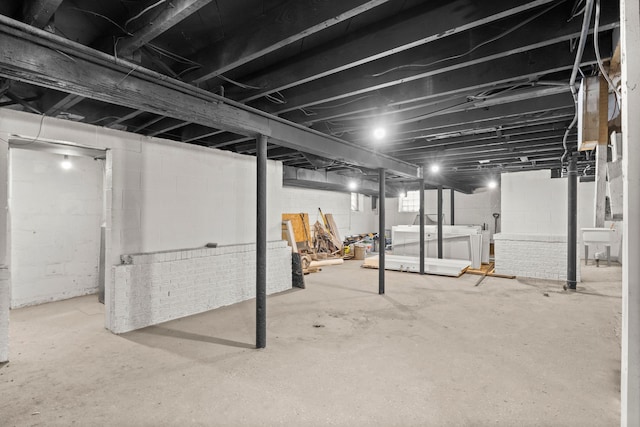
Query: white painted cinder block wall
<point>295,200</point>
<point>534,224</point>
<point>470,209</point>
<point>533,202</point>
<point>55,227</point>
<point>163,195</point>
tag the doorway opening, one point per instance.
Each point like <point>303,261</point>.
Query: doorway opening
<point>57,209</point>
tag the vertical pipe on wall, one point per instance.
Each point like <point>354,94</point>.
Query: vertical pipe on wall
<point>261,243</point>
<point>381,237</point>
<point>572,233</point>
<point>439,221</point>
<point>453,207</point>
<point>630,363</point>
<point>421,226</point>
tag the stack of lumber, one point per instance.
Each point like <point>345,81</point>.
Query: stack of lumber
<point>317,249</point>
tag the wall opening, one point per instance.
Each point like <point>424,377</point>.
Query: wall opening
<point>57,214</point>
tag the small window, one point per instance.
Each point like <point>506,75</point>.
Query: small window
<point>409,203</point>
<point>355,202</point>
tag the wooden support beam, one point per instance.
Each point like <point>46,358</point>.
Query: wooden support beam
<point>150,27</point>
<point>529,65</point>
<point>56,103</point>
<point>43,59</point>
<point>444,55</point>
<point>271,32</point>
<point>39,12</point>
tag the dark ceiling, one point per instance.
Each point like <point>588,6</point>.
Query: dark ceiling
<point>478,87</point>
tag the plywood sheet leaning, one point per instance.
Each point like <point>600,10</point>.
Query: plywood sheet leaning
<point>440,267</point>
<point>333,230</point>
<point>289,236</point>
<point>301,228</point>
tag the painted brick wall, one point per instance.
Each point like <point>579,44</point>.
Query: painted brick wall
<point>55,227</point>
<point>5,299</point>
<point>536,256</point>
<point>158,287</point>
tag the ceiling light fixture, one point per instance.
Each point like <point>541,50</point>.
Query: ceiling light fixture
<point>66,163</point>
<point>492,184</point>
<point>379,133</point>
<point>435,168</point>
<point>353,186</point>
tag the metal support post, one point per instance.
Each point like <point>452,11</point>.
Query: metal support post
<point>440,222</point>
<point>422,254</point>
<point>261,243</point>
<point>453,207</point>
<point>572,232</point>
<point>381,237</point>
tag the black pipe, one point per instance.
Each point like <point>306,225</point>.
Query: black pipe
<point>261,243</point>
<point>453,207</point>
<point>381,237</point>
<point>439,221</point>
<point>572,227</point>
<point>421,226</point>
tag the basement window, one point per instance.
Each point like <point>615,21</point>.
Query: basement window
<point>355,202</point>
<point>409,203</point>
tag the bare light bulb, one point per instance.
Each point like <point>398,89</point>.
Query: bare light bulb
<point>353,186</point>
<point>493,184</point>
<point>435,168</point>
<point>66,163</point>
<point>379,133</point>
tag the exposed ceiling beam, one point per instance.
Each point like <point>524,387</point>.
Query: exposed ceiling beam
<point>424,146</point>
<point>445,55</point>
<point>149,26</point>
<point>529,65</point>
<point>469,119</point>
<point>271,32</point>
<point>39,12</point>
<point>43,59</point>
<point>409,29</point>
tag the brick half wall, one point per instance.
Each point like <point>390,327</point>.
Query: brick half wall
<point>533,255</point>
<point>157,287</point>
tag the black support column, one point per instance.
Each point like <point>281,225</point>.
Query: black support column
<point>381,238</point>
<point>421,225</point>
<point>440,222</point>
<point>572,222</point>
<point>453,207</point>
<point>261,243</point>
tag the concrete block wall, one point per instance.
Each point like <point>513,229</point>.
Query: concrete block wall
<point>55,227</point>
<point>160,195</point>
<point>470,209</point>
<point>158,287</point>
<point>533,255</point>
<point>5,301</point>
<point>5,283</point>
<point>294,200</point>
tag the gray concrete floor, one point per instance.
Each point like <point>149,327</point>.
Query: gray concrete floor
<point>433,351</point>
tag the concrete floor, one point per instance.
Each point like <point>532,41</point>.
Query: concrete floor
<point>433,351</point>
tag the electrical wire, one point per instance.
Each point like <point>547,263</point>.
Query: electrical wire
<point>145,10</point>
<point>103,17</point>
<point>326,107</point>
<point>171,55</point>
<point>42,116</point>
<point>473,49</point>
<point>242,85</point>
<point>275,100</point>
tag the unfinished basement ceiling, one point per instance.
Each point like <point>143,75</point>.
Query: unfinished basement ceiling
<point>479,87</point>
